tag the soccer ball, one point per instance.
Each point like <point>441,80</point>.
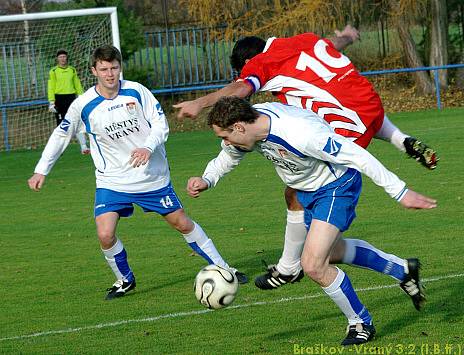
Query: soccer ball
<point>215,287</point>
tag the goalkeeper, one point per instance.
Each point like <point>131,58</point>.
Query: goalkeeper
<point>63,87</point>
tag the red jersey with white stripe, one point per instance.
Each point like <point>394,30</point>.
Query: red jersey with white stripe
<point>307,71</point>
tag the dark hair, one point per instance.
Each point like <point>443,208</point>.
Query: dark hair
<point>245,48</point>
<point>106,53</point>
<point>229,110</point>
<point>61,51</point>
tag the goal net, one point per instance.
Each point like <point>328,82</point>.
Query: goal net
<point>28,46</point>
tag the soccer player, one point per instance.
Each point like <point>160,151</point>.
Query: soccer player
<point>128,130</point>
<point>63,87</point>
<point>324,168</point>
<point>309,72</point>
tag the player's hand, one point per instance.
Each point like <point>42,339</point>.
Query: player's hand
<point>188,109</point>
<point>52,108</point>
<point>412,199</point>
<point>139,156</point>
<point>348,31</point>
<point>36,181</point>
<point>195,185</point>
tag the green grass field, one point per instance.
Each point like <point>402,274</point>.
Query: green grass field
<point>53,276</point>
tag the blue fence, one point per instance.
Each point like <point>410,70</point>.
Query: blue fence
<point>184,57</point>
<point>434,69</point>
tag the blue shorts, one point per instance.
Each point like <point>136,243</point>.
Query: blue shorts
<point>162,201</point>
<point>333,203</point>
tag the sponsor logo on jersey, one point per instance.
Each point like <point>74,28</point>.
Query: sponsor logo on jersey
<point>282,152</point>
<point>115,107</point>
<point>131,108</point>
<point>121,129</point>
<point>64,125</point>
<point>284,164</point>
<point>332,147</point>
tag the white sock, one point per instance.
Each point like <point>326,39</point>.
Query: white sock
<point>203,246</point>
<point>295,237</point>
<point>82,142</point>
<point>116,258</point>
<point>343,294</point>
<point>390,133</point>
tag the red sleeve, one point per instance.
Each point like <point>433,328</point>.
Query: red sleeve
<point>253,72</point>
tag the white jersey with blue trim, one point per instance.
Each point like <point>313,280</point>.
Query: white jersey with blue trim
<point>307,154</point>
<point>133,119</point>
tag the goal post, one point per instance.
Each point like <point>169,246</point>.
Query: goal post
<point>28,45</point>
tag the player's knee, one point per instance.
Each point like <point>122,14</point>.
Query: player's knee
<point>313,269</point>
<point>182,223</point>
<point>106,237</point>
<point>185,226</point>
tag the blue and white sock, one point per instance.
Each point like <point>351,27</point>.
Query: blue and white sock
<point>203,246</point>
<point>343,294</point>
<point>361,253</point>
<point>116,258</point>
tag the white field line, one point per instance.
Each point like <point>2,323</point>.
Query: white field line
<point>193,313</point>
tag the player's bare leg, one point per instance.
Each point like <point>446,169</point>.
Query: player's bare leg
<point>288,270</point>
<point>199,241</point>
<point>115,255</point>
<point>321,240</point>
<point>410,145</point>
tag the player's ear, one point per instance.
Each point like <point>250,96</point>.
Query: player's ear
<point>94,71</point>
<point>239,127</point>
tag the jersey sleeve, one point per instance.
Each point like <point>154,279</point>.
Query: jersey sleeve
<point>60,139</point>
<point>156,118</point>
<point>333,148</point>
<point>228,158</point>
<point>51,86</point>
<point>254,74</point>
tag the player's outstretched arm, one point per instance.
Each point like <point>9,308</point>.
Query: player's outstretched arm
<point>193,108</point>
<point>36,181</point>
<point>195,185</point>
<point>415,200</point>
<point>345,37</point>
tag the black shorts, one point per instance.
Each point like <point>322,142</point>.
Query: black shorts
<point>62,103</point>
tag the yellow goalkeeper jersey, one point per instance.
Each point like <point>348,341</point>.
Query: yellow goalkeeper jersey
<point>63,81</point>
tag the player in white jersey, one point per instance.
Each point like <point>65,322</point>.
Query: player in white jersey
<point>127,129</point>
<point>324,168</point>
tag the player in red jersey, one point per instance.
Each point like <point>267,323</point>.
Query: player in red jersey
<point>309,72</point>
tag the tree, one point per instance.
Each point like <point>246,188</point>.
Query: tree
<point>439,38</point>
<point>283,17</point>
<point>403,12</point>
<point>10,7</point>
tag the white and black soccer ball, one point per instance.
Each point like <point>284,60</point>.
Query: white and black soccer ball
<point>215,287</point>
